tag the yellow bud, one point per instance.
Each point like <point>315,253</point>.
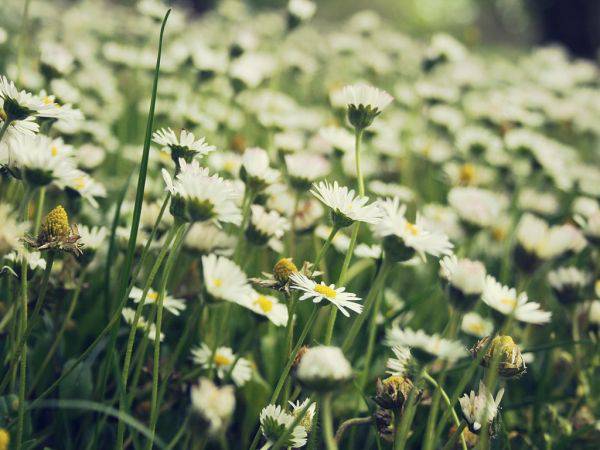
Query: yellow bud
<point>283,269</point>
<point>55,225</point>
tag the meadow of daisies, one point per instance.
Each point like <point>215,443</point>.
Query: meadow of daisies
<point>259,229</point>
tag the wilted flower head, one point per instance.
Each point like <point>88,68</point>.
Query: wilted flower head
<point>481,409</point>
<point>56,234</point>
<point>323,369</point>
<point>393,392</point>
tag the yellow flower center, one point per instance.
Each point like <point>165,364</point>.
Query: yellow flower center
<point>222,360</point>
<point>54,150</point>
<point>217,282</point>
<point>509,301</point>
<point>229,165</point>
<point>325,290</point>
<point>153,295</point>
<point>47,101</point>
<point>467,173</point>
<point>264,303</point>
<point>412,228</point>
<point>56,224</point>
<point>79,183</point>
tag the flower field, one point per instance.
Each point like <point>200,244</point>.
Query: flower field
<point>266,229</point>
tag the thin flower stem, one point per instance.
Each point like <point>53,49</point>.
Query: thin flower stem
<point>358,132</point>
<point>179,434</point>
<point>5,125</point>
<point>133,330</point>
<point>459,432</point>
<point>355,421</point>
<point>371,333</point>
<point>330,442</point>
<point>378,283</point>
<point>23,368</point>
<point>38,211</point>
<point>325,247</point>
<point>289,337</point>
<point>289,430</point>
<point>403,421</point>
<point>246,204</point>
<point>61,332</point>
<point>288,366</point>
<point>161,296</point>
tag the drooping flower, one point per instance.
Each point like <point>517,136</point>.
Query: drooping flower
<point>481,409</point>
<point>214,404</point>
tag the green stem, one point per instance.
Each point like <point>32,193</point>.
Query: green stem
<point>39,209</point>
<point>355,421</point>
<point>5,125</point>
<point>459,432</point>
<point>325,247</point>
<point>358,132</point>
<point>327,421</point>
<point>23,368</point>
<point>161,296</point>
<point>403,419</point>
<point>246,204</point>
<point>60,333</point>
<point>371,333</point>
<point>132,331</point>
<point>378,283</point>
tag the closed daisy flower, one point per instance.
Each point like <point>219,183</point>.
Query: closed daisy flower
<point>265,225</point>
<point>481,409</point>
<point>364,103</point>
<point>323,368</point>
<point>424,346</point>
<point>255,170</point>
<point>224,280</point>
<point>225,362</point>
<point>185,146</point>
<point>317,292</point>
<point>506,301</point>
<point>171,304</point>
<point>199,196</point>
<point>402,238</point>
<point>274,422</point>
<point>346,206</point>
<point>214,404</point>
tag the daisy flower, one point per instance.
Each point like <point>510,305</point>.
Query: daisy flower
<point>11,230</point>
<point>92,238</point>
<point>20,105</point>
<point>255,170</point>
<point>214,404</point>
<point>477,206</point>
<point>199,196</point>
<point>274,422</point>
<point>568,283</point>
<point>481,409</point>
<point>339,138</point>
<point>317,292</point>
<point>206,237</point>
<point>225,362</point>
<point>323,368</point>
<point>267,306</point>
<point>463,274</point>
<point>307,420</point>
<point>84,185</point>
<point>265,225</point>
<point>420,342</point>
<point>346,206</point>
<point>506,301</point>
<point>364,103</point>
<point>301,10</point>
<point>475,325</point>
<point>185,146</point>
<point>399,364</point>
<point>402,239</point>
<point>303,169</point>
<point>224,280</point>
<point>129,315</point>
<point>171,304</point>
<point>34,259</point>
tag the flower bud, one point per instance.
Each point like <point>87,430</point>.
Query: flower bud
<point>393,392</point>
<point>384,423</point>
<point>502,352</point>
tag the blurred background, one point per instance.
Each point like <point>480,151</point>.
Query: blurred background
<point>572,23</point>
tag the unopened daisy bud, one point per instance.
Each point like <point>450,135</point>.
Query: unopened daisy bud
<point>384,423</point>
<point>283,269</point>
<point>502,352</point>
<point>392,393</point>
<point>364,104</point>
<point>324,369</point>
<point>4,439</point>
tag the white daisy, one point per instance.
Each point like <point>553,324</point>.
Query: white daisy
<point>398,232</point>
<point>205,238</point>
<point>255,169</point>
<point>34,259</point>
<point>213,403</point>
<point>481,409</point>
<point>318,292</point>
<point>274,422</point>
<point>129,314</point>
<point>266,225</point>
<point>185,146</point>
<point>198,196</point>
<point>477,206</point>
<point>465,275</point>
<point>92,237</point>
<point>267,306</point>
<point>545,242</point>
<point>19,105</point>
<point>475,325</point>
<point>11,230</point>
<point>84,185</point>
<point>346,206</point>
<point>323,367</point>
<point>339,138</point>
<point>225,362</point>
<point>297,408</point>
<point>398,365</point>
<point>171,304</point>
<point>364,103</point>
<point>224,280</point>
<point>506,301</point>
<point>304,168</point>
<point>433,345</point>
<point>302,9</point>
